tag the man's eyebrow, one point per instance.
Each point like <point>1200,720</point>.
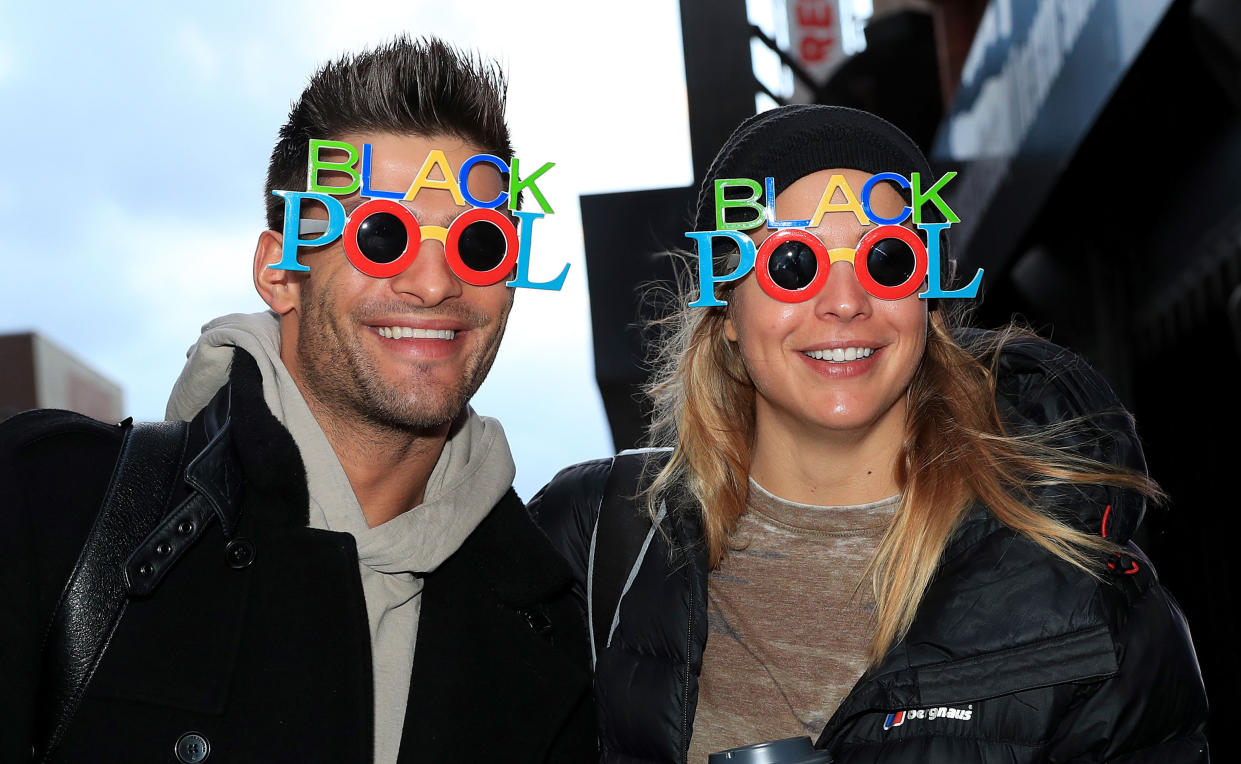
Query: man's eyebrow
<point>351,203</point>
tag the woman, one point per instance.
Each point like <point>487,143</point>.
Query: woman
<point>907,542</point>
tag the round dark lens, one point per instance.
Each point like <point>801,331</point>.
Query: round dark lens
<point>891,262</point>
<point>482,246</point>
<point>382,237</point>
<point>792,265</point>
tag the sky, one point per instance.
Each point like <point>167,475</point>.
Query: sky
<point>136,137</point>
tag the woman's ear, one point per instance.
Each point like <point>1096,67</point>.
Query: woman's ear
<point>279,288</point>
<point>730,310</point>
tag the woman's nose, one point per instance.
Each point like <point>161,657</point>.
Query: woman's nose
<point>842,295</point>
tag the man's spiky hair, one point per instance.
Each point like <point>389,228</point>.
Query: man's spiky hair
<point>423,87</point>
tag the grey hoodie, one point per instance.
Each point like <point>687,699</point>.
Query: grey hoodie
<point>474,470</point>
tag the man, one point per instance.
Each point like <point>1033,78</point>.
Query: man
<point>351,577</point>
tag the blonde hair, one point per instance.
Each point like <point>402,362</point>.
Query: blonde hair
<point>956,450</point>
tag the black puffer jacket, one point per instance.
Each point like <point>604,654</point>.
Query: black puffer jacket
<point>1013,657</point>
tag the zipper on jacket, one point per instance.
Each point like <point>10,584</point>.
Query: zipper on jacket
<point>689,643</point>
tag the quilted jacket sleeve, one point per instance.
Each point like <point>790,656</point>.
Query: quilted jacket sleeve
<point>1154,710</point>
<point>566,510</point>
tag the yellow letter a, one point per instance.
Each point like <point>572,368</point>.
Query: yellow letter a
<point>423,180</point>
<point>850,204</point>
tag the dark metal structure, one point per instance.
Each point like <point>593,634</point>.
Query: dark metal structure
<point>622,257</point>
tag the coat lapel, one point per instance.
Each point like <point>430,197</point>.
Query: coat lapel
<point>501,658</point>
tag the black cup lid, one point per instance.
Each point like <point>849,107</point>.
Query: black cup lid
<point>793,750</point>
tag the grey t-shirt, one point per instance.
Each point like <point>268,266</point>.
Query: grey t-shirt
<point>790,619</point>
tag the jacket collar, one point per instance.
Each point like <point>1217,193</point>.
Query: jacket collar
<point>246,446</point>
<point>212,472</point>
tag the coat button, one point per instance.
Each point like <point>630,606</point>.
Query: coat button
<point>192,748</point>
<point>240,553</point>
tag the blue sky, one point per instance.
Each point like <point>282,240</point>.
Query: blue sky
<point>136,137</point>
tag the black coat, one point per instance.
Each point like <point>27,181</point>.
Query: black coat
<point>271,662</point>
<point>1013,656</point>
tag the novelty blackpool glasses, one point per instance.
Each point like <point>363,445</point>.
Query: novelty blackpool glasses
<point>891,261</point>
<point>381,236</point>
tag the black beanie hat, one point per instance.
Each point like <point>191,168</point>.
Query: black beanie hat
<point>790,142</point>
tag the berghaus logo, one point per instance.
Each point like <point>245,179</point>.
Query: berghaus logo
<point>897,718</point>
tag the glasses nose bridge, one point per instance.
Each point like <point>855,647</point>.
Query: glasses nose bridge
<point>434,233</point>
<point>429,277</point>
<point>842,295</point>
<point>841,254</point>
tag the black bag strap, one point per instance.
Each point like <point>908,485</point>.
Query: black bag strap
<point>94,597</point>
<point>620,532</point>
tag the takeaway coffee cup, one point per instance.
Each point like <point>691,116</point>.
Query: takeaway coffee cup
<point>793,750</point>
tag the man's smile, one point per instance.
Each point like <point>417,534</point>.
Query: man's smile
<point>406,332</point>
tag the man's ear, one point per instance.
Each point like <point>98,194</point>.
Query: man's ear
<point>280,289</point>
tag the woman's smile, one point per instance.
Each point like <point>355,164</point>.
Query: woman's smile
<point>842,359</point>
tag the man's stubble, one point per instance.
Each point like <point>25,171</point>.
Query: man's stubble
<point>343,377</point>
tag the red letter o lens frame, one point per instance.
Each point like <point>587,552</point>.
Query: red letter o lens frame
<point>890,262</point>
<point>481,245</point>
<point>792,265</point>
